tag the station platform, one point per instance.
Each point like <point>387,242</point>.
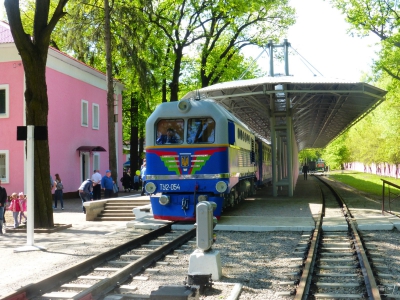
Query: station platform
<point>298,213</point>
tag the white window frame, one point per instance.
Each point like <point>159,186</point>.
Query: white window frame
<point>7,112</point>
<point>96,161</point>
<point>6,179</point>
<point>84,114</point>
<point>95,116</point>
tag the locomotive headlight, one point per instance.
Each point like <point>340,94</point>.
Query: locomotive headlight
<point>184,105</point>
<point>221,186</point>
<point>202,198</point>
<point>150,188</point>
<point>164,200</point>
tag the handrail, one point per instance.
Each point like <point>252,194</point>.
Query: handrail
<point>383,193</point>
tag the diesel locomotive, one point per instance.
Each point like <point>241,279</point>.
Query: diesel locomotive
<point>196,150</point>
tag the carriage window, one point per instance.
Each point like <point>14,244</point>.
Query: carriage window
<point>201,130</point>
<point>169,131</point>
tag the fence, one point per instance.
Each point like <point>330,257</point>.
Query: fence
<point>390,193</point>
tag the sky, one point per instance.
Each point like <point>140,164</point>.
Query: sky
<point>320,36</point>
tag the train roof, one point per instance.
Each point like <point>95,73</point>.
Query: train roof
<point>322,108</point>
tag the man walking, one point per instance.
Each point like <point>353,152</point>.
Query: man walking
<point>107,184</point>
<point>96,179</point>
<point>305,171</point>
<point>3,200</point>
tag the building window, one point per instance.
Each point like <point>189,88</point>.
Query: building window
<point>95,116</point>
<point>4,166</point>
<point>84,113</point>
<point>96,161</point>
<point>4,103</point>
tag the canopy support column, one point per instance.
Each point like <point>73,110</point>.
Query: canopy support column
<point>282,139</point>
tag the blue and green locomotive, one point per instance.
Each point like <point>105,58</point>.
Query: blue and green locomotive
<point>196,151</point>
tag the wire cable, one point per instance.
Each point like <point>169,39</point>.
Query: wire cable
<point>308,63</point>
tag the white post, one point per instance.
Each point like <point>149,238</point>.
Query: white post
<point>30,163</point>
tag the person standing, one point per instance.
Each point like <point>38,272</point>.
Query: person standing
<point>305,171</point>
<point>126,181</point>
<point>22,203</point>
<point>84,192</point>
<point>58,193</point>
<point>143,176</point>
<point>107,184</point>
<point>96,179</point>
<point>15,207</point>
<point>3,200</point>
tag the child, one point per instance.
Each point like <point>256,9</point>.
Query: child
<point>15,208</point>
<point>22,204</point>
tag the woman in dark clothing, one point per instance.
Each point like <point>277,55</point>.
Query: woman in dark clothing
<point>126,181</point>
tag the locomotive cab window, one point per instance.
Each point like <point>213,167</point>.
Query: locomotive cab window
<point>169,131</point>
<point>201,130</point>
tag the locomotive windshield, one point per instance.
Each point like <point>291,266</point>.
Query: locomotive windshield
<point>169,131</point>
<point>201,130</point>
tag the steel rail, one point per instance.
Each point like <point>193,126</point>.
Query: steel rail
<point>56,280</point>
<point>106,285</point>
<point>302,290</point>
<point>369,278</point>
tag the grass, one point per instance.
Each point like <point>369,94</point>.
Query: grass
<point>365,182</point>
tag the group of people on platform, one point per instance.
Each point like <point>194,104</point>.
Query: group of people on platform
<point>90,189</point>
<point>138,180</point>
<point>17,205</point>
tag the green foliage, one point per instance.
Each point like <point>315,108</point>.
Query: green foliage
<point>170,46</point>
<point>365,182</point>
<point>336,153</point>
<point>380,18</point>
<point>307,155</point>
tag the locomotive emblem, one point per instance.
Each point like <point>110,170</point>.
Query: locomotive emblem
<point>185,161</point>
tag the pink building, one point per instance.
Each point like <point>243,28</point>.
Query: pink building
<point>77,120</point>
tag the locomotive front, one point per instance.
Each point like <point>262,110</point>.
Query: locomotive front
<point>187,147</point>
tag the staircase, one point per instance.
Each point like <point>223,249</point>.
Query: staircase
<point>120,210</point>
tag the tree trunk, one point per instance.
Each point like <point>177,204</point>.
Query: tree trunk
<point>174,85</point>
<point>36,114</point>
<point>134,136</point>
<point>112,158</point>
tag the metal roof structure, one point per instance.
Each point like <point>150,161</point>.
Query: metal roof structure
<point>321,108</point>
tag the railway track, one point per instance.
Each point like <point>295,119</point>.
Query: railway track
<point>337,265</point>
<point>101,274</point>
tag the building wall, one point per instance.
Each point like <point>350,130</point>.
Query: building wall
<point>66,134</point>
<point>12,75</point>
<point>68,83</point>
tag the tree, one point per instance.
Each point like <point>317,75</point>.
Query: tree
<point>336,153</point>
<point>112,154</point>
<point>307,155</point>
<point>218,28</point>
<point>33,49</point>
<point>380,18</point>
<point>232,28</point>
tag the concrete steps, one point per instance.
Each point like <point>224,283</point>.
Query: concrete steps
<point>124,219</point>
<point>120,210</point>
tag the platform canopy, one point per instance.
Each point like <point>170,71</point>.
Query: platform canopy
<point>321,108</point>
